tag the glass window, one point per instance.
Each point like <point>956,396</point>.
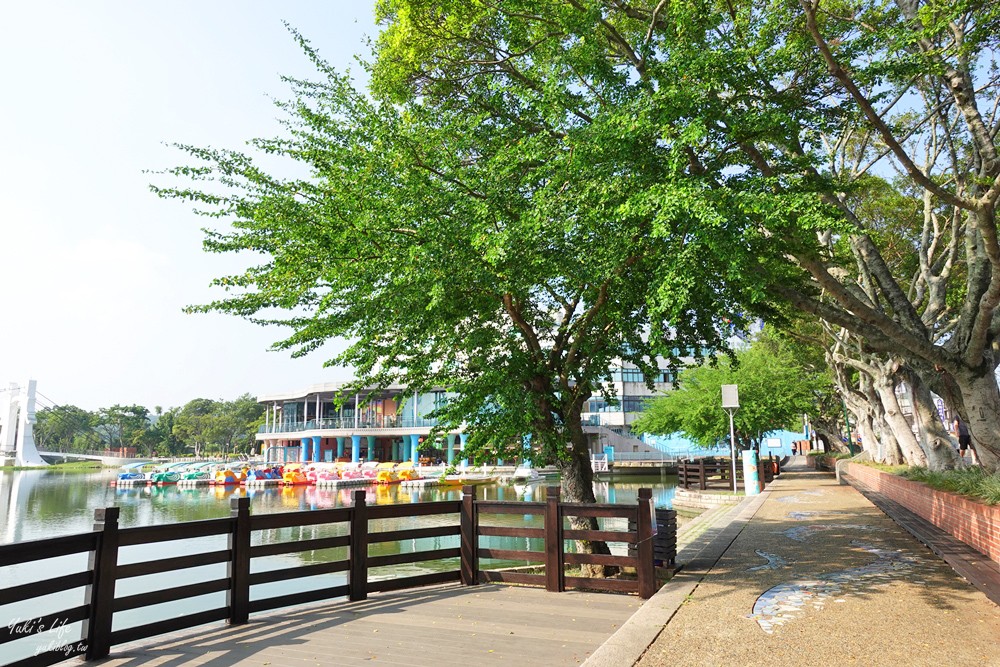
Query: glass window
<point>631,375</point>
<point>635,375</point>
<point>597,405</point>
<point>634,403</point>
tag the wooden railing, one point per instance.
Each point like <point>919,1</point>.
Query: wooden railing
<point>104,570</point>
<point>705,474</point>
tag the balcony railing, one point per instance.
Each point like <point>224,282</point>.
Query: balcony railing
<point>331,423</point>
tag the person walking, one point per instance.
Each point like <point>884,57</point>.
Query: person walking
<point>964,439</point>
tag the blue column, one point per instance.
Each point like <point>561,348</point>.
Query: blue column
<point>355,448</point>
<point>414,443</point>
<point>462,439</point>
<point>306,444</point>
<point>371,447</point>
<point>751,475</point>
<point>340,446</point>
<point>451,448</point>
<point>316,445</point>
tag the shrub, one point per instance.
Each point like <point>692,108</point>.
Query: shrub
<point>974,482</point>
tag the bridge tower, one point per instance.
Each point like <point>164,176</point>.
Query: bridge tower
<point>17,419</point>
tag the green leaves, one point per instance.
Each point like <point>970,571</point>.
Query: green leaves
<point>775,388</point>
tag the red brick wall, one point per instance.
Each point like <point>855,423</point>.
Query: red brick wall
<point>976,524</point>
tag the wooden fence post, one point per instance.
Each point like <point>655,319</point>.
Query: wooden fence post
<point>239,562</point>
<point>645,568</point>
<point>358,584</point>
<point>103,562</point>
<point>555,575</point>
<point>469,529</point>
<point>702,481</point>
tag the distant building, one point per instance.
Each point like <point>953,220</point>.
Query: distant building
<point>389,425</point>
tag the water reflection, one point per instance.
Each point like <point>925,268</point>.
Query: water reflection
<point>38,504</point>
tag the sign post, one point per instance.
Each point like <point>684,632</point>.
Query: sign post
<point>731,403</point>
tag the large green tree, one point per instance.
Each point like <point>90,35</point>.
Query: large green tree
<point>775,388</point>
<point>123,426</point>
<point>775,111</point>
<point>194,422</point>
<point>164,441</point>
<point>510,262</point>
<point>232,424</point>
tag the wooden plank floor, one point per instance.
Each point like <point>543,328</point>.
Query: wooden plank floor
<point>436,625</point>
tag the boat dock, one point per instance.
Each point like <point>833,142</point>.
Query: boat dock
<point>344,483</point>
<point>259,483</point>
<point>192,483</point>
<point>420,483</point>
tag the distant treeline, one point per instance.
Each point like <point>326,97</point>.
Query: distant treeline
<point>200,426</point>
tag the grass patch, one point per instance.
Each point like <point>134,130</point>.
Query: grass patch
<point>973,482</point>
<point>892,470</point>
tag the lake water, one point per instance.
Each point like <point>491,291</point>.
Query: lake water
<point>38,504</point>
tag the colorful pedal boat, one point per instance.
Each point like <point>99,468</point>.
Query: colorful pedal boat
<point>229,477</point>
<point>385,473</point>
<point>263,473</point>
<point>406,472</point>
<point>294,478</point>
<point>165,477</point>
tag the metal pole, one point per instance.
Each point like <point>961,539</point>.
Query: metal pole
<point>732,447</point>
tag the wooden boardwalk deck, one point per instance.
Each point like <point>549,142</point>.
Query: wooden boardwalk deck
<point>437,625</point>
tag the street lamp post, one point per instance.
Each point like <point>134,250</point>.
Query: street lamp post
<point>731,403</point>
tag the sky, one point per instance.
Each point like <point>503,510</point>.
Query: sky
<point>95,268</point>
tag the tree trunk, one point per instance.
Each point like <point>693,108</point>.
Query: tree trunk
<point>828,440</point>
<point>895,420</point>
<point>870,439</point>
<point>881,444</point>
<point>934,438</point>
<point>578,487</point>
<point>981,403</point>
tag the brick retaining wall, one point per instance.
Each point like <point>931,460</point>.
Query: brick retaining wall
<point>976,524</point>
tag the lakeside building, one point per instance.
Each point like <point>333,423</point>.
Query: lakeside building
<point>391,424</point>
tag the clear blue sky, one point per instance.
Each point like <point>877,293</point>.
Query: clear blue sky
<point>96,269</point>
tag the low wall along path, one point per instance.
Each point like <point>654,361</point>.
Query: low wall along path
<point>976,524</point>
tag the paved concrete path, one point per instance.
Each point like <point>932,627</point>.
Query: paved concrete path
<point>437,625</point>
<point>811,573</point>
